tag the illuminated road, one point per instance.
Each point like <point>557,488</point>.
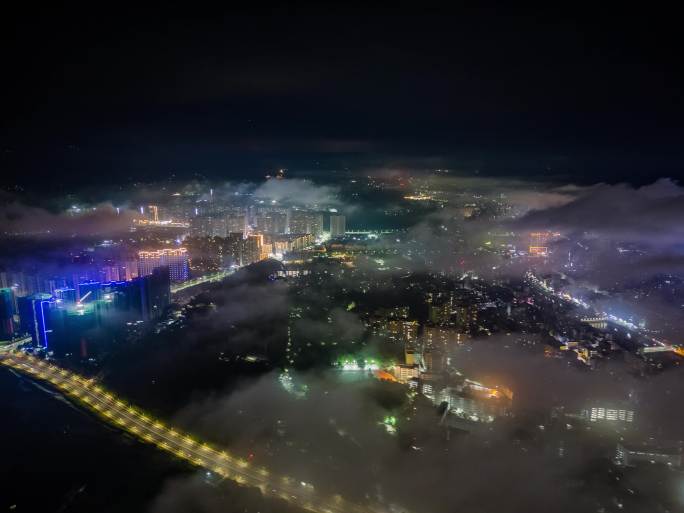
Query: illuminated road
<point>135,422</point>
<point>208,278</point>
<point>593,312</point>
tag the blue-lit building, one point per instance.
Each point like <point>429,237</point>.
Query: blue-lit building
<point>70,326</point>
<point>66,295</point>
<point>150,295</point>
<point>6,314</point>
<point>113,293</point>
<point>34,315</point>
<point>90,291</point>
<point>75,329</point>
<point>143,298</point>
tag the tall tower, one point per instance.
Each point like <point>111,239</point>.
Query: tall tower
<point>154,209</point>
<point>175,259</point>
<point>338,226</point>
<point>6,314</point>
<point>34,317</point>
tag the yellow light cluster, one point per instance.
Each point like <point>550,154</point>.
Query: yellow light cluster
<point>118,410</point>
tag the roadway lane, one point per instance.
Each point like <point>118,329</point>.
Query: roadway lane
<point>183,446</point>
<point>209,278</point>
<point>589,311</point>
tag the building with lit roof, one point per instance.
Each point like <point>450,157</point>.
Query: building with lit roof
<point>176,259</point>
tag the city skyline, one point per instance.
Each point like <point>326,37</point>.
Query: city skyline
<point>342,260</point>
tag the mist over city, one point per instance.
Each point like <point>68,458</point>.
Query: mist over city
<point>341,261</point>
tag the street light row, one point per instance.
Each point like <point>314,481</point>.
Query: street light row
<point>153,431</point>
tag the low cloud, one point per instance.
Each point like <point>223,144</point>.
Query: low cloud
<point>299,192</point>
<point>18,219</point>
<point>332,436</point>
<point>650,214</point>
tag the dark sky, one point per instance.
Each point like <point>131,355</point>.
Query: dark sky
<point>106,96</point>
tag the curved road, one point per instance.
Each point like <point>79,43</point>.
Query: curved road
<point>133,421</point>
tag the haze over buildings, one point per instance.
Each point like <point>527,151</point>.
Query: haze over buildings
<point>380,261</point>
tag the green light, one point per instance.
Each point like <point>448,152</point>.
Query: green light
<point>390,420</point>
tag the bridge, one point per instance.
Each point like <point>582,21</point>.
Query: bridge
<point>132,420</point>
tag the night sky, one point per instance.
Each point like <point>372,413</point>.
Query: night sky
<point>106,97</point>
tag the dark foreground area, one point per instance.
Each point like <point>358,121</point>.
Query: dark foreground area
<point>57,458</point>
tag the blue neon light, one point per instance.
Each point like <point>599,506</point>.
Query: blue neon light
<point>42,315</point>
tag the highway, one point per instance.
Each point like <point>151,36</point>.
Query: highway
<point>207,278</point>
<point>647,338</point>
<point>130,419</point>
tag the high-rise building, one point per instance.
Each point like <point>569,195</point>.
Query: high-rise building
<point>65,295</point>
<point>119,271</point>
<point>409,332</point>
<point>272,222</point>
<point>66,326</point>
<point>252,249</point>
<point>154,212</point>
<point>175,259</point>
<point>6,314</point>
<point>155,293</point>
<point>204,254</point>
<point>25,284</point>
<point>403,331</point>
<point>210,254</point>
<point>404,373</point>
<point>610,414</point>
<point>442,337</point>
<point>143,298</point>
<point>90,290</point>
<point>411,357</point>
<point>338,226</point>
<point>440,313</point>
<point>281,244</point>
<point>34,315</point>
<point>305,221</point>
<point>465,315</point>
<point>72,327</point>
<point>211,225</point>
<point>236,223</point>
<point>232,249</point>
